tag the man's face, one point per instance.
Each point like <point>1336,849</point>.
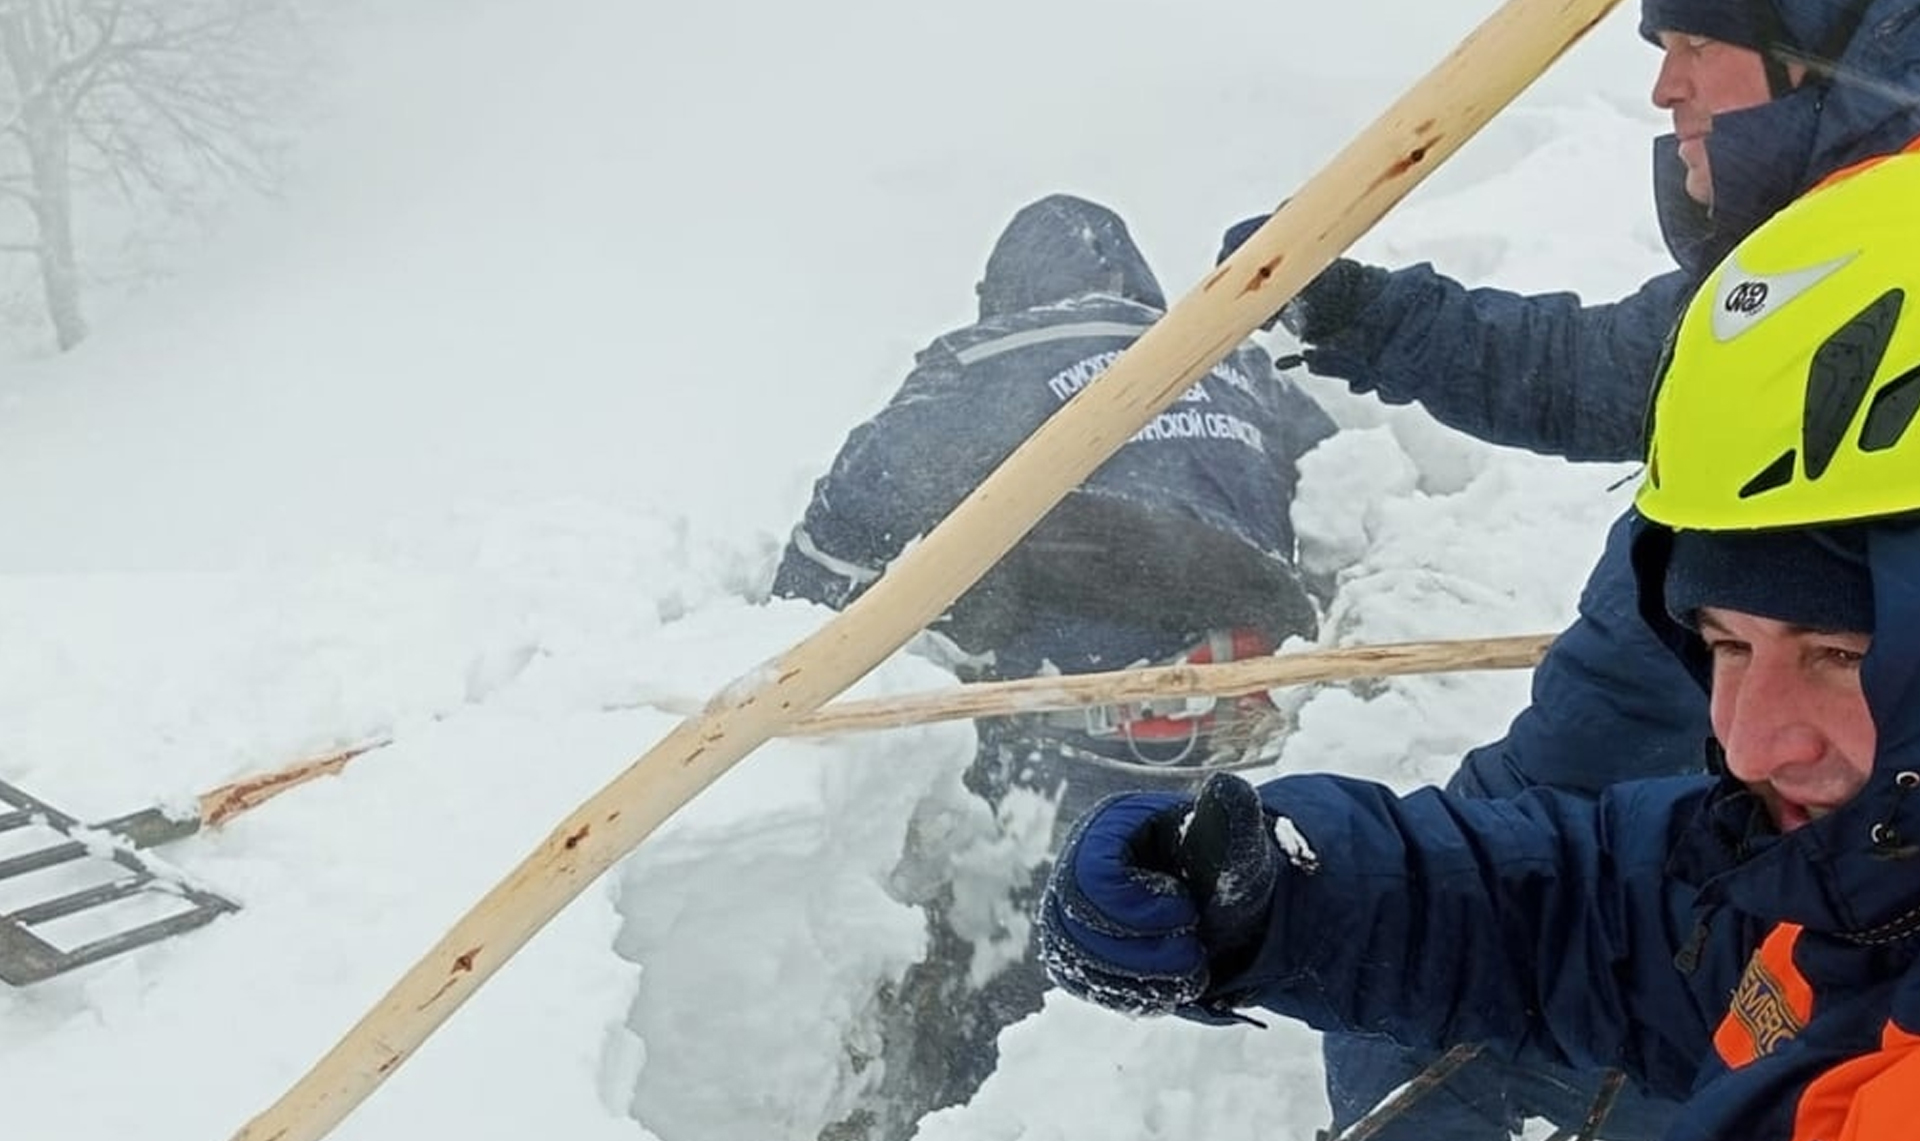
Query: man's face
<point>1700,78</point>
<point>1788,708</point>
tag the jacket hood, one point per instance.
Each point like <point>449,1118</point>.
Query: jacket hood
<point>1854,873</point>
<point>1766,156</point>
<point>1063,247</point>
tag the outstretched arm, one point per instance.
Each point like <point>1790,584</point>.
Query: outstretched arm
<point>1541,372</point>
<point>1543,928</point>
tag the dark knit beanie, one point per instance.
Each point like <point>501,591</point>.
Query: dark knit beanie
<point>1810,577</point>
<point>1730,21</point>
<point>1808,25</point>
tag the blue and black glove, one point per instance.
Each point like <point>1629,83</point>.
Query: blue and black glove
<point>1157,896</point>
<point>1327,304</point>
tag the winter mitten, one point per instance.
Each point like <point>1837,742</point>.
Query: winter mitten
<point>1329,303</point>
<point>1230,859</point>
<point>1156,895</point>
<point>1325,305</point>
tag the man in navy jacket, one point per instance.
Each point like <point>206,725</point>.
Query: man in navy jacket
<point>1179,546</point>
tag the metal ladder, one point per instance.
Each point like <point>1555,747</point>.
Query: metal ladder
<point>71,894</point>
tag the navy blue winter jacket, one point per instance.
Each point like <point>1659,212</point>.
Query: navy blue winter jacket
<point>1666,929</point>
<point>1551,375</point>
<point>1185,529</point>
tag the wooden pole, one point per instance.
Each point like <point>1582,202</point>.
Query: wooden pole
<point>1218,679</point>
<point>954,703</point>
<point>1336,206</point>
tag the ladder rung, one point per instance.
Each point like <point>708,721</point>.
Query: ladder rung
<point>82,900</point>
<point>42,858</point>
<point>199,916</point>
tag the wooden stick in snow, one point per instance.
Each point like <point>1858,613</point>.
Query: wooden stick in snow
<point>986,699</point>
<point>1219,679</point>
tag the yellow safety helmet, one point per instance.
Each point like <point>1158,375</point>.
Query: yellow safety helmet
<point>1789,392</point>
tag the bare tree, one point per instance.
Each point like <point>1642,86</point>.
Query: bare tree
<point>147,97</point>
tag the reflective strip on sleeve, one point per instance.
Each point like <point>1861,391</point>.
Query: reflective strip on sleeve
<point>854,573</point>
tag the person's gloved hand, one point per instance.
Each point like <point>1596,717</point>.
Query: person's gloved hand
<point>1325,305</point>
<point>1155,895</point>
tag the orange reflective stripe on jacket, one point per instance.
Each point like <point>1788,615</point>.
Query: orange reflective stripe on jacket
<point>1875,1097</point>
<point>1774,1000</point>
<point>1855,168</point>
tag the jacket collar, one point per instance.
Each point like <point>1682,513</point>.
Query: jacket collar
<point>1761,160</point>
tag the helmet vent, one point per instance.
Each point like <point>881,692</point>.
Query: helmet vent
<point>1840,375</point>
<point>1779,473</point>
<point>1891,412</point>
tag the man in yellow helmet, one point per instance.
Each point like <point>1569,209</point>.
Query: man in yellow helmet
<point>1747,941</point>
<point>1765,98</point>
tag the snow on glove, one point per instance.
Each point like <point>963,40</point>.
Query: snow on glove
<point>1231,860</point>
<point>1156,894</point>
<point>1325,305</point>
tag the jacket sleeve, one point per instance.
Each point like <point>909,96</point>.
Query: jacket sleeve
<point>1541,927</point>
<point>1541,372</point>
<point>894,478</point>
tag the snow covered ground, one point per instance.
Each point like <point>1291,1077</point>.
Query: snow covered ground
<point>488,433</point>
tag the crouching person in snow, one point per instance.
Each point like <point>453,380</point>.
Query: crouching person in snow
<point>1747,942</point>
<point>1767,97</point>
<point>1178,548</point>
